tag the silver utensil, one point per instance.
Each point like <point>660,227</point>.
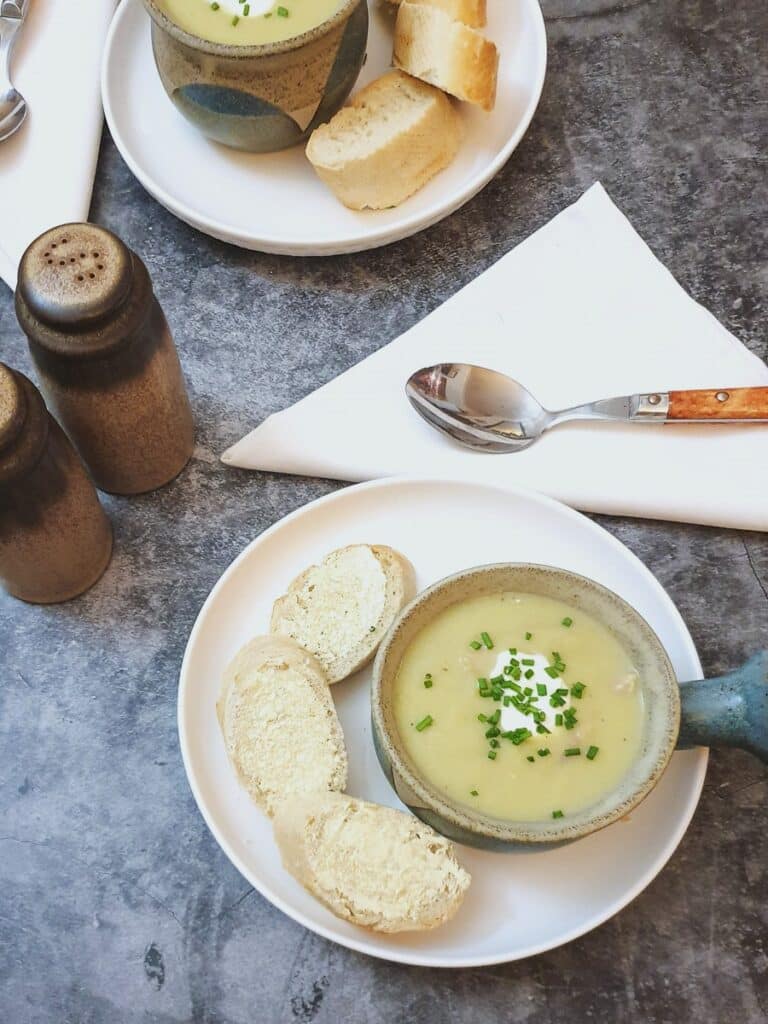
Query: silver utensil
<point>491,412</point>
<point>13,106</point>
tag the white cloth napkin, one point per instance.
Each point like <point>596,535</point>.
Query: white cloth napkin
<point>580,310</point>
<point>47,167</point>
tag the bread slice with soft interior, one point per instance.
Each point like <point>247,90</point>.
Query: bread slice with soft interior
<point>371,865</point>
<point>471,12</point>
<point>340,610</point>
<point>394,136</point>
<point>279,723</point>
<point>430,45</point>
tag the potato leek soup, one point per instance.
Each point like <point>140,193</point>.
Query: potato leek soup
<point>250,23</point>
<point>519,706</point>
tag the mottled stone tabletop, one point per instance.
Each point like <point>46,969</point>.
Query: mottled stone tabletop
<point>116,905</point>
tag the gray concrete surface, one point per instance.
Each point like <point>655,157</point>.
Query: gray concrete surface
<point>116,905</point>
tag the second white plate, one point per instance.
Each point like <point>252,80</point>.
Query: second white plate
<point>519,904</point>
<point>275,202</point>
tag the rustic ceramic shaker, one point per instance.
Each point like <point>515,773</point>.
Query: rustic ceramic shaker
<point>55,540</point>
<point>107,362</point>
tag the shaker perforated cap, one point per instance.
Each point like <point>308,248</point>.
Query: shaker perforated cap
<point>75,275</point>
<point>13,407</point>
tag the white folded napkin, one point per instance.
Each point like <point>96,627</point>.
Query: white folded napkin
<point>580,310</point>
<point>47,167</point>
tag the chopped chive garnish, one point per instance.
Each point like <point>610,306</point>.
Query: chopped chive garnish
<point>543,752</point>
<point>528,661</point>
<point>530,758</point>
<point>492,732</point>
<point>492,755</point>
<point>494,718</point>
<point>529,674</point>
<point>214,6</point>
<point>592,753</point>
<point>518,736</point>
<point>557,814</point>
<point>475,645</point>
<point>567,621</point>
<point>573,752</point>
<point>577,689</point>
<point>542,729</point>
<point>541,689</point>
<point>551,672</point>
<point>513,651</point>
<point>427,720</point>
<point>246,9</point>
<point>487,641</point>
<point>235,20</point>
<point>558,719</point>
<point>529,636</point>
<point>282,12</point>
<point>494,743</point>
<point>482,718</point>
<point>427,684</point>
<point>473,792</point>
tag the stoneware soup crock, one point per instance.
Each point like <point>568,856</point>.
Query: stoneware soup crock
<point>261,98</point>
<point>731,710</point>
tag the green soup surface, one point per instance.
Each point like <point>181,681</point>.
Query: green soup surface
<point>519,706</point>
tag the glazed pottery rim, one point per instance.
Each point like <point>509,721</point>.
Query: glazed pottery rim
<point>234,50</point>
<point>531,834</point>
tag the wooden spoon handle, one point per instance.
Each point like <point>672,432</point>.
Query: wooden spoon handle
<point>720,404</point>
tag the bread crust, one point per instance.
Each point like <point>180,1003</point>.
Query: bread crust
<point>371,865</point>
<point>471,12</point>
<point>396,164</point>
<point>445,53</point>
<point>338,620</point>
<point>269,686</point>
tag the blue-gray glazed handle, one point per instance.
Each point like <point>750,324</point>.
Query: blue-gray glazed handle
<point>728,711</point>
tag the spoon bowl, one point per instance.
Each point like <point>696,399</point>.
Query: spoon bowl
<point>477,407</point>
<point>13,112</point>
<point>13,106</point>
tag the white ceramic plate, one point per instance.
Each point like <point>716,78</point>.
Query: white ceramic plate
<point>275,202</point>
<point>519,903</point>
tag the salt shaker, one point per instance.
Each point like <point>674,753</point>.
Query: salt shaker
<point>55,540</point>
<point>108,366</point>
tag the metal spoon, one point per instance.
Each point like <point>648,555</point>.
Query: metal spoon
<point>13,106</point>
<point>491,412</point>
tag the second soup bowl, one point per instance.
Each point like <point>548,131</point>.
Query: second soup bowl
<point>266,97</point>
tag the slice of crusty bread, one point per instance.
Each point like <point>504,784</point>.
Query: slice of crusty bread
<point>279,723</point>
<point>471,12</point>
<point>432,46</point>
<point>340,610</point>
<point>371,865</point>
<point>394,136</point>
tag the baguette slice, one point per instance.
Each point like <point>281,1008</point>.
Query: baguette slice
<point>340,610</point>
<point>471,12</point>
<point>432,46</point>
<point>370,865</point>
<point>394,136</point>
<point>279,723</point>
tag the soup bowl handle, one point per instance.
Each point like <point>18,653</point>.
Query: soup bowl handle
<point>729,710</point>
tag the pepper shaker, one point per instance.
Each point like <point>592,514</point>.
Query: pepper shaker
<point>55,540</point>
<point>107,362</point>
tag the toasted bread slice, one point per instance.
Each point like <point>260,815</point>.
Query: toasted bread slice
<point>340,610</point>
<point>432,46</point>
<point>279,723</point>
<point>471,12</point>
<point>394,136</point>
<point>370,865</point>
